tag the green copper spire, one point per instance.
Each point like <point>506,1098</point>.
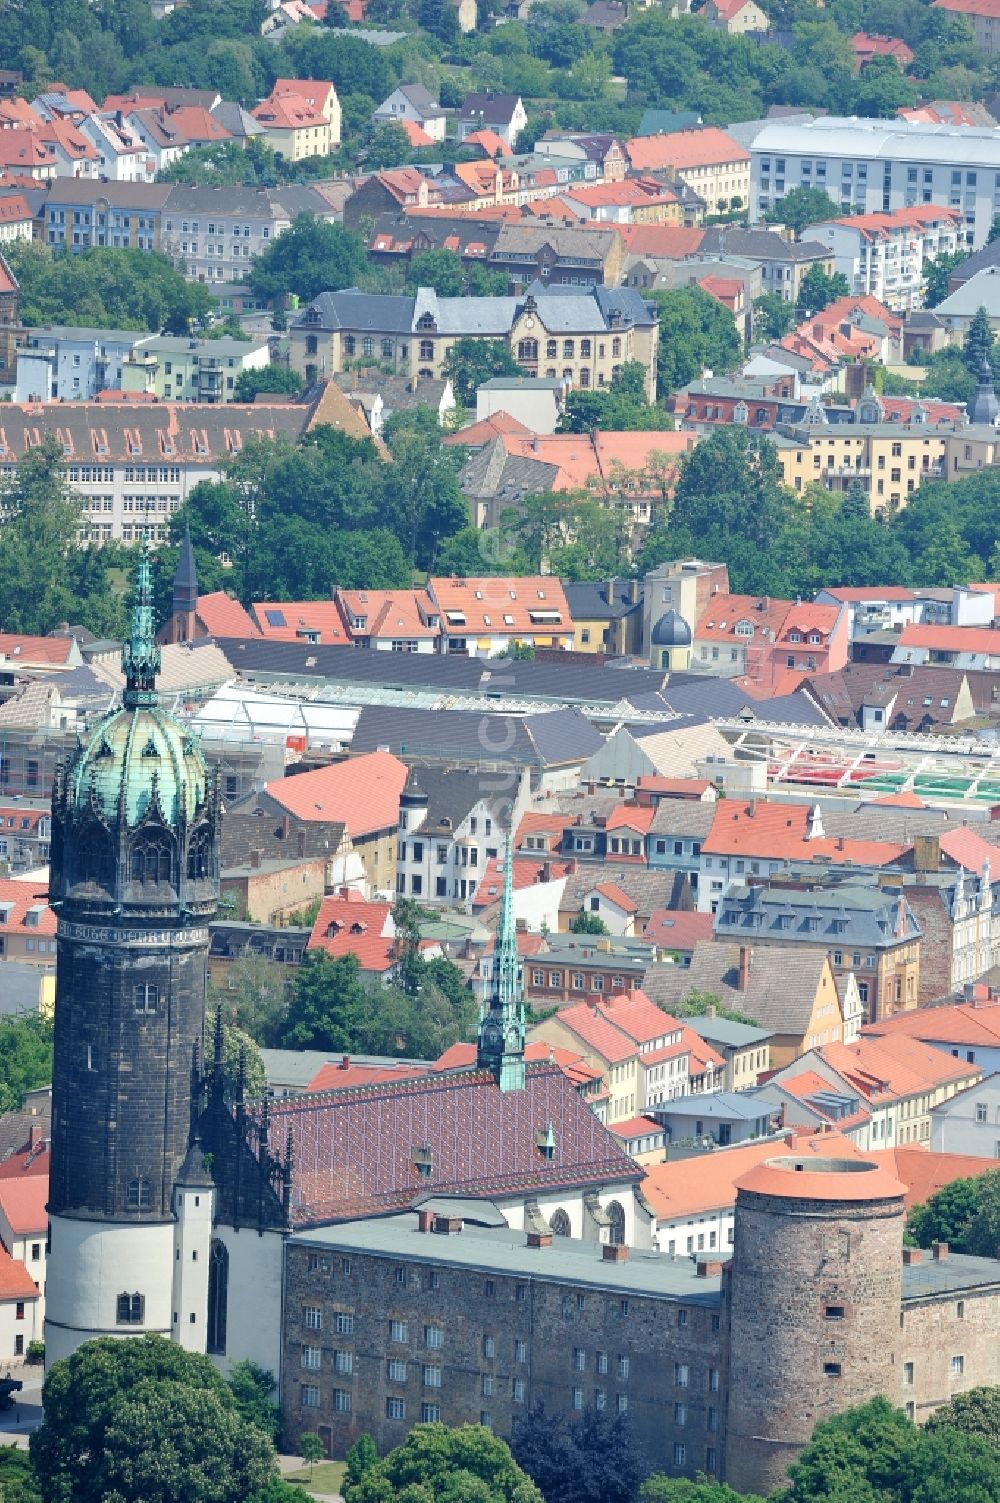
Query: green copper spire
<point>141,656</point>
<point>501,1026</point>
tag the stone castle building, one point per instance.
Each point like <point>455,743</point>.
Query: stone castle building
<point>458,1246</point>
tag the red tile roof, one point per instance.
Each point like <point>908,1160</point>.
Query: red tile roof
<point>354,1149</point>
<point>35,649</point>
<point>463,1057</point>
<point>23,1202</point>
<point>896,1065</point>
<point>335,1077</point>
<point>27,1161</point>
<point>415,134</point>
<point>670,240</point>
<point>16,1282</point>
<point>952,638</point>
<point>614,895</point>
<point>24,898</point>
<point>485,431</point>
<point>528,872</point>
<point>222,616</point>
<point>682,1188</point>
<point>867,46</point>
<point>631,817</point>
<point>966,1023</point>
<point>14,209</point>
<point>674,929</point>
<point>617,1027</point>
<point>989,10</point>
<point>781,831</point>
<point>968,849</point>
<point>925,1173</point>
<point>636,1127</point>
<point>794,1176</point>
<point>534,605</point>
<point>387,613</point>
<point>353,926</point>
<point>361,793</point>
<point>294,620</point>
<point>706,147</point>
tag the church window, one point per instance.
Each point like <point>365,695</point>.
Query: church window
<point>131,1309</point>
<point>527,349</point>
<point>199,864</point>
<point>94,862</point>
<point>218,1296</point>
<point>151,861</point>
<point>560,1224</point>
<point>146,997</point>
<point>138,1195</point>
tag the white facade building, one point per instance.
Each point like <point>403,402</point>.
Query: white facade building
<point>877,166</point>
<point>970,1121</point>
<point>884,255</point>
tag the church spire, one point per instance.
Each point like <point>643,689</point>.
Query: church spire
<point>501,1027</point>
<point>141,656</point>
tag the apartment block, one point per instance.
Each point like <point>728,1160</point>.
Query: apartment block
<point>885,255</point>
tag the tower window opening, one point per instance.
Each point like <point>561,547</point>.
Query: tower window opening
<point>138,1195</point>
<point>831,1369</point>
<point>131,1309</point>
<point>146,998</point>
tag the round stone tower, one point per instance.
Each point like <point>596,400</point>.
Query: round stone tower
<point>134,881</point>
<point>813,1299</point>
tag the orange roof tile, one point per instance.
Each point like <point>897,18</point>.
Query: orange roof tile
<point>636,1127</point>
<point>615,895</point>
<point>350,925</point>
<point>222,616</point>
<point>682,1188</point>
<point>706,147</point>
<point>299,619</point>
<point>14,209</point>
<point>631,817</point>
<point>24,148</point>
<point>198,124</point>
<point>387,613</point>
<point>674,929</point>
<point>725,612</point>
<point>780,831</point>
<point>22,1203</point>
<point>17,900</point>
<point>964,1023</point>
<point>947,638</point>
<point>528,872</point>
<point>925,1173</point>
<point>488,141</point>
<point>532,605</point>
<point>485,431</point>
<point>415,134</point>
<point>23,649</point>
<point>800,1176</point>
<point>361,793</point>
<point>672,241</point>
<point>347,1072</point>
<point>16,1282</point>
<point>463,1056</point>
<point>896,1065</point>
<point>968,849</point>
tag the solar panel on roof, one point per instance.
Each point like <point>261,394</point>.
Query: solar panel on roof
<point>275,618</point>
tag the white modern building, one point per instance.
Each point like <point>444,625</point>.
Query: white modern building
<point>877,166</point>
<point>884,255</point>
<point>970,1121</point>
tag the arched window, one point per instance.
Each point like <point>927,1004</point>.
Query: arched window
<point>559,1222</point>
<point>94,859</point>
<point>218,1295</point>
<point>138,1195</point>
<point>368,345</point>
<point>616,1229</point>
<point>151,860</point>
<point>349,344</point>
<point>527,349</point>
<point>199,862</point>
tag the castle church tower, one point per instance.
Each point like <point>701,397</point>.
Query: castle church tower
<point>502,1027</point>
<point>134,882</point>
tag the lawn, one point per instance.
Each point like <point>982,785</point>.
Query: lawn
<point>327,1477</point>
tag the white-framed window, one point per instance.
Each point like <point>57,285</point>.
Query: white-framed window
<point>312,1357</point>
<point>312,1317</point>
<point>310,1396</point>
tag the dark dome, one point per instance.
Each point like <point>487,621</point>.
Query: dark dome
<point>671,631</point>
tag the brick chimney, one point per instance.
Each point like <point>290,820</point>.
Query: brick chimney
<point>539,1239</point>
<point>746,956</point>
<point>911,1255</point>
<point>425,1221</point>
<point>926,853</point>
<point>708,1268</point>
<point>614,1252</point>
<point>939,1251</point>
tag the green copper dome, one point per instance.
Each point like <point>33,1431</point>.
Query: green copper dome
<point>139,755</point>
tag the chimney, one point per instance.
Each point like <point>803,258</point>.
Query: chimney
<point>752,809</point>
<point>256,857</point>
<point>425,1221</point>
<point>34,1136</point>
<point>448,1226</point>
<point>633,587</point>
<point>911,1255</point>
<point>614,1252</point>
<point>815,830</point>
<point>711,1010</point>
<point>939,1251</point>
<point>708,1268</point>
<point>746,956</point>
<point>926,852</point>
<point>345,1063</point>
<point>539,1239</point>
<point>521,925</point>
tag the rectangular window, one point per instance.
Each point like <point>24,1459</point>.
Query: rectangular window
<point>680,1374</point>
<point>908,1374</point>
<point>431,1375</point>
<point>957,1366</point>
<point>131,1308</point>
<point>622,1403</point>
<point>520,1351</point>
<point>430,1413</point>
<point>312,1317</point>
<point>344,1323</point>
<point>312,1357</point>
<point>623,1369</point>
<point>310,1396</point>
<point>831,1369</point>
<point>602,1362</point>
<point>399,1331</point>
<point>395,1408</point>
<point>343,1362</point>
<point>489,1346</point>
<point>680,1453</point>
<point>433,1337</point>
<point>577,1398</point>
<point>397,1370</point>
<point>486,1385</point>
<point>579,1359</point>
<point>680,1414</point>
<point>519,1390</point>
<point>341,1401</point>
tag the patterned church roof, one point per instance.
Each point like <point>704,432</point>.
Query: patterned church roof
<point>355,1150</point>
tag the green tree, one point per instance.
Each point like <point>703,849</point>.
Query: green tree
<point>25,1058</point>
<point>817,290</point>
<point>696,332</point>
<point>976,1412</point>
<point>857,1454</point>
<point>518,652</point>
<point>772,316</point>
<point>255,1002</point>
<point>660,1489</point>
<point>311,1449</point>
<point>731,485</point>
<point>39,561</point>
<point>311,257</point>
<point>389,147</point>
<point>254,1392</point>
<point>440,269</point>
<point>143,1421</point>
<point>595,1460</point>
<point>936,274</point>
<point>470,362</point>
<point>272,378</point>
<point>465,1465</point>
<point>620,407</point>
<point>105,287</point>
<point>978,343</point>
<point>587,923</point>
<point>327,1005</point>
<point>17,1477</point>
<point>361,1458</point>
<point>802,206</point>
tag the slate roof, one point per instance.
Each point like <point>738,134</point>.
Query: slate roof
<point>592,600</point>
<point>870,914</point>
<point>782,986</point>
<point>452,793</point>
<point>354,1148</point>
<point>545,740</point>
<point>569,312</point>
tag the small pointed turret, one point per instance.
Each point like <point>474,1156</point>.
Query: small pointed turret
<point>501,1027</point>
<point>141,656</point>
<point>984,406</point>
